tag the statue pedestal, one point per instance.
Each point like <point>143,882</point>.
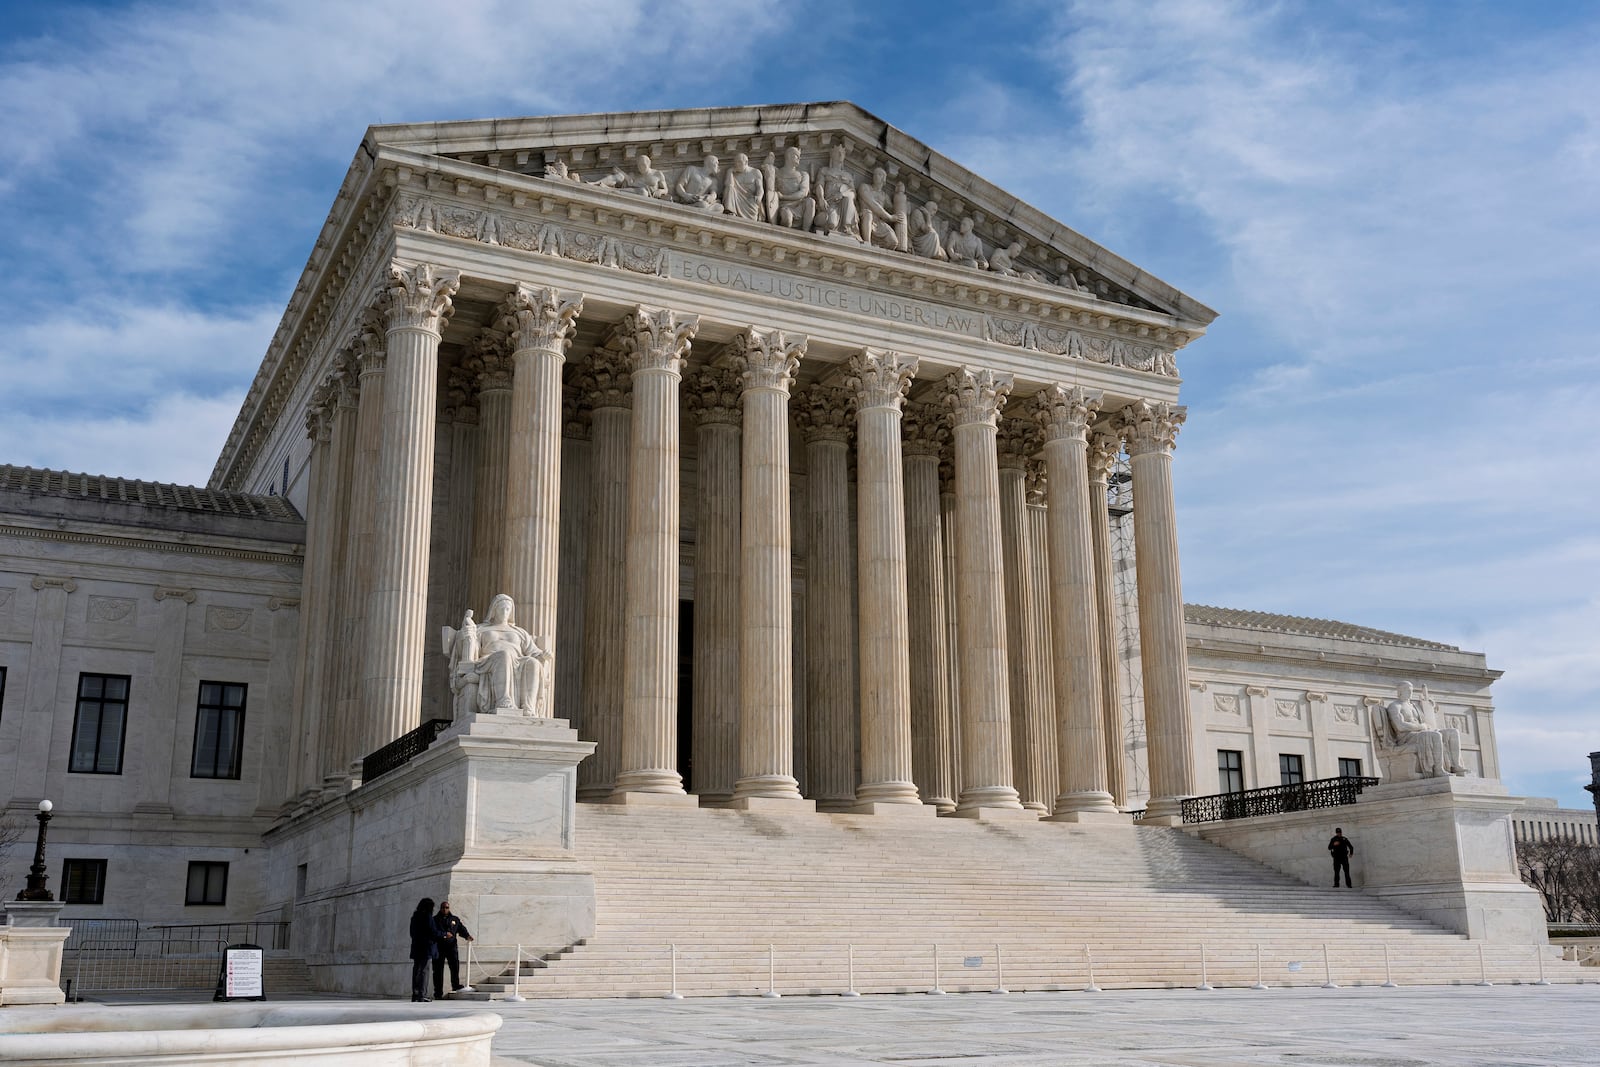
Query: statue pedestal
<point>30,953</point>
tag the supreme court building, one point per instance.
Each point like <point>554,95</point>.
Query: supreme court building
<point>828,475</point>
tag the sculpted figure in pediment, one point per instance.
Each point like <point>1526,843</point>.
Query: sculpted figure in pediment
<point>883,217</point>
<point>645,180</point>
<point>744,190</point>
<point>835,190</point>
<point>617,179</point>
<point>965,247</point>
<point>557,171</point>
<point>1004,261</point>
<point>790,197</point>
<point>697,186</point>
<point>926,240</point>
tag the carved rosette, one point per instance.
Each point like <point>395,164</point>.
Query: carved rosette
<point>823,413</point>
<point>1103,449</point>
<point>879,378</point>
<point>418,297</point>
<point>606,381</point>
<point>491,360</point>
<point>1151,427</point>
<point>976,396</point>
<point>1035,483</point>
<point>924,429</point>
<point>1065,414</point>
<point>712,396</point>
<point>538,317</point>
<point>460,396</point>
<point>767,359</point>
<point>657,339</point>
<point>1016,441</point>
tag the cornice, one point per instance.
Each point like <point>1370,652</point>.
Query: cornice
<point>1400,668</point>
<point>154,543</point>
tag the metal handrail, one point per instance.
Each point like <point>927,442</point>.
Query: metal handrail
<point>402,750</point>
<point>1275,800</point>
<point>269,935</point>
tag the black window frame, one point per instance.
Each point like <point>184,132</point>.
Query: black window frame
<point>1291,768</point>
<point>207,868</point>
<point>236,756</point>
<point>1350,767</point>
<point>1233,768</point>
<point>73,864</point>
<point>101,703</point>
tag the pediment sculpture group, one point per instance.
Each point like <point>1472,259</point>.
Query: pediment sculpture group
<point>827,200</point>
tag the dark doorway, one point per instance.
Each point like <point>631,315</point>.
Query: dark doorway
<point>686,693</point>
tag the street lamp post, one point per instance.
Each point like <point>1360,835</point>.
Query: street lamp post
<point>35,889</point>
<point>1594,785</point>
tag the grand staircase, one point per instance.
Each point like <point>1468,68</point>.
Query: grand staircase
<point>813,903</point>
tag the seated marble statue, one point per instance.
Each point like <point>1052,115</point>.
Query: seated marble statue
<point>697,186</point>
<point>835,189</point>
<point>744,191</point>
<point>557,171</point>
<point>926,240</point>
<point>496,667</point>
<point>1004,261</point>
<point>883,215</point>
<point>645,180</point>
<point>966,248</point>
<point>789,194</point>
<point>1408,741</point>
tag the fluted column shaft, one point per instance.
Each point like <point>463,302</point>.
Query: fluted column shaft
<point>657,341</point>
<point>418,302</point>
<point>931,755</point>
<point>1150,430</point>
<point>1103,449</point>
<point>1040,631</point>
<point>493,365</point>
<point>540,323</point>
<point>316,606</point>
<point>824,416</point>
<point>605,584</point>
<point>1065,415</point>
<point>952,613</point>
<point>768,361</point>
<point>975,399</point>
<point>1032,721</point>
<point>713,397</point>
<point>327,758</point>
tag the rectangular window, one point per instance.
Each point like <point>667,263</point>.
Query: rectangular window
<point>1230,771</point>
<point>218,731</point>
<point>1291,769</point>
<point>2,691</point>
<point>100,725</point>
<point>1349,768</point>
<point>83,882</point>
<point>208,883</point>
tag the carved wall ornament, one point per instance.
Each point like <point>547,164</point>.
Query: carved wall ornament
<point>824,413</point>
<point>924,429</point>
<point>767,359</point>
<point>976,396</point>
<point>417,297</point>
<point>657,339</point>
<point>1460,723</point>
<point>1065,413</point>
<point>225,619</point>
<point>880,378</point>
<point>1288,709</point>
<point>713,396</point>
<point>1151,427</point>
<point>44,582</point>
<point>535,316</point>
<point>1226,703</point>
<point>1346,713</point>
<point>165,592</point>
<point>110,609</point>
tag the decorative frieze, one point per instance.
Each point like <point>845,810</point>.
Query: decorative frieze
<point>106,610</point>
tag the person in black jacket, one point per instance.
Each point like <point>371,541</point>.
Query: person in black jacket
<point>448,930</point>
<point>1340,848</point>
<point>424,946</point>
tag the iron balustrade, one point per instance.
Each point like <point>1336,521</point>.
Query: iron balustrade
<point>1275,800</point>
<point>402,750</point>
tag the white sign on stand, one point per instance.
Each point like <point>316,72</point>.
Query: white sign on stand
<point>241,977</point>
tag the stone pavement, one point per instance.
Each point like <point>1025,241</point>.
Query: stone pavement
<point>1464,1026</point>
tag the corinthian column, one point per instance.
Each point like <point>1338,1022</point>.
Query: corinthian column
<point>1103,449</point>
<point>712,397</point>
<point>925,434</point>
<point>975,399</point>
<point>656,342</point>
<point>1039,628</point>
<point>1150,430</point>
<point>605,588</point>
<point>491,360</point>
<point>417,303</point>
<point>1065,415</point>
<point>329,758</point>
<point>824,416</point>
<point>1032,720</point>
<point>767,361</point>
<point>540,323</point>
<point>880,380</point>
<point>304,766</point>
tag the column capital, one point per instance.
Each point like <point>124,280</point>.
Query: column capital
<point>1016,441</point>
<point>767,359</point>
<point>924,429</point>
<point>879,378</point>
<point>370,345</point>
<point>169,592</point>
<point>417,297</point>
<point>712,395</point>
<point>1035,482</point>
<point>657,338</point>
<point>460,396</point>
<point>345,378</point>
<point>319,414</point>
<point>1065,414</point>
<point>490,360</point>
<point>535,316</point>
<point>824,413</point>
<point>976,396</point>
<point>606,380</point>
<point>1104,445</point>
<point>1150,427</point>
<point>576,411</point>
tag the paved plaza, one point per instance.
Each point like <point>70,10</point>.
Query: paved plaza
<point>1463,1026</point>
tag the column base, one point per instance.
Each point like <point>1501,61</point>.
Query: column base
<point>773,805</point>
<point>639,799</point>
<point>766,786</point>
<point>879,807</point>
<point>1087,801</point>
<point>995,813</point>
<point>655,780</point>
<point>989,796</point>
<point>1101,818</point>
<point>887,793</point>
<point>1163,811</point>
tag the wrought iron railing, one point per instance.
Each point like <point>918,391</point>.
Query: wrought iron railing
<point>1275,800</point>
<point>402,750</point>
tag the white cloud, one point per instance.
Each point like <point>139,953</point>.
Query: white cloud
<point>175,439</point>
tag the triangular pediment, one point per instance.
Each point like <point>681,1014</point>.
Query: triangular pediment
<point>809,169</point>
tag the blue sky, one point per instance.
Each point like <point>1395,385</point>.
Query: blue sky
<point>1393,206</point>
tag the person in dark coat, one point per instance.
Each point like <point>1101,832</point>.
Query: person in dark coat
<point>1340,848</point>
<point>424,946</point>
<point>449,931</point>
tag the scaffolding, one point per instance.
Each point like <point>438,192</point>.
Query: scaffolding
<point>1119,507</point>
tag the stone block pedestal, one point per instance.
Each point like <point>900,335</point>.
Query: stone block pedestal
<point>30,953</point>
